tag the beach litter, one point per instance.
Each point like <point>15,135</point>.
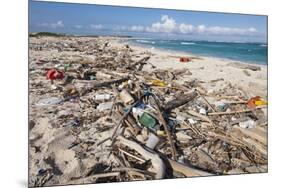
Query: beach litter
<point>49,101</point>
<point>54,74</point>
<point>116,121</point>
<point>185,59</point>
<point>256,101</point>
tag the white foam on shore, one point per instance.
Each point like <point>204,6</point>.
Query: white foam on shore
<point>187,43</point>
<point>145,41</point>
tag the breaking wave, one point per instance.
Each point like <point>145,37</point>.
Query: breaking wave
<point>146,41</point>
<point>187,43</point>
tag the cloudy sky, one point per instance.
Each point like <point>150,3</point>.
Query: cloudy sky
<point>141,22</point>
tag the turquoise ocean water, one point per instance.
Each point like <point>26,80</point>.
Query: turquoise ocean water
<point>246,52</point>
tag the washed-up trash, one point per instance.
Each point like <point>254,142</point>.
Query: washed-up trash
<point>160,133</point>
<point>49,101</point>
<point>54,74</point>
<point>221,106</point>
<point>185,59</point>
<point>70,92</point>
<point>152,141</point>
<point>105,106</point>
<point>158,83</point>
<point>101,97</point>
<point>126,97</point>
<point>41,61</point>
<point>256,101</point>
<point>42,172</point>
<point>53,86</point>
<point>147,120</point>
<point>203,111</point>
<point>66,66</point>
<point>123,85</point>
<point>248,124</point>
<point>180,118</point>
<point>74,123</point>
<point>171,124</point>
<point>183,136</point>
<point>89,75</point>
<point>140,105</point>
<point>137,112</point>
<point>101,75</point>
<point>192,121</point>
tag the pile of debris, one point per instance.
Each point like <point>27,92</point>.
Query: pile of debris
<point>104,119</point>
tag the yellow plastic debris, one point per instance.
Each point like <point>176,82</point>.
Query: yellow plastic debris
<point>158,83</point>
<point>260,102</point>
<point>160,133</point>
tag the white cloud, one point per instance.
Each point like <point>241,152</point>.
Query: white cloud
<point>201,29</point>
<point>137,28</point>
<point>78,26</point>
<point>216,30</point>
<point>97,27</point>
<point>53,25</point>
<point>186,28</point>
<point>169,25</point>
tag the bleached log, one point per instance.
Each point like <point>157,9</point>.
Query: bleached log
<point>187,170</point>
<point>158,166</point>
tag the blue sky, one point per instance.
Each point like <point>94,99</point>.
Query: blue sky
<point>143,22</point>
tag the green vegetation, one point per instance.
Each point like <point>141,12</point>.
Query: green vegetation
<point>46,34</point>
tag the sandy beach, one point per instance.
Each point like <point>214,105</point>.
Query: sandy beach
<point>65,136</point>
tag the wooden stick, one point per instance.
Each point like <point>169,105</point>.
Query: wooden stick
<point>179,101</point>
<point>166,128</point>
<point>194,129</point>
<point>124,117</point>
<point>236,102</point>
<point>208,104</point>
<point>188,171</point>
<point>108,83</point>
<point>133,169</point>
<point>158,165</point>
<point>130,121</point>
<point>202,117</point>
<point>141,61</point>
<point>135,157</point>
<point>234,112</point>
<point>94,177</point>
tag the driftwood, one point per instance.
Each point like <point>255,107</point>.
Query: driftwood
<point>134,170</point>
<point>140,62</point>
<point>208,104</point>
<point>245,66</point>
<point>202,117</point>
<point>110,82</point>
<point>234,112</point>
<point>166,128</point>
<point>175,103</point>
<point>94,177</point>
<point>158,166</point>
<point>125,115</point>
<point>188,171</point>
<point>133,156</point>
<point>255,133</point>
<point>130,121</point>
